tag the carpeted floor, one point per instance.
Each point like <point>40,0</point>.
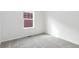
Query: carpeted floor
<point>38,41</point>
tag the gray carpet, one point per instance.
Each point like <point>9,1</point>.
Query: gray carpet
<point>38,41</point>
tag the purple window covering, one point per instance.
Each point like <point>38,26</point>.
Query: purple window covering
<point>28,23</point>
<point>28,19</point>
<point>28,15</point>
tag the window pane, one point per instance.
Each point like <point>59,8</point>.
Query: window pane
<point>28,23</point>
<point>28,19</point>
<point>28,15</point>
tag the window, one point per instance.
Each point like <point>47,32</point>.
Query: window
<point>28,19</point>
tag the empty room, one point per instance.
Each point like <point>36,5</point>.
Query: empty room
<point>39,29</point>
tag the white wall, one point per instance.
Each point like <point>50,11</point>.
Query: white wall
<point>1,16</point>
<point>0,29</point>
<point>64,24</point>
<point>13,25</point>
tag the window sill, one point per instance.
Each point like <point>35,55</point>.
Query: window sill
<point>28,27</point>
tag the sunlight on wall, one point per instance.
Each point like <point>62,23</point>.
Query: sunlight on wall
<point>53,28</point>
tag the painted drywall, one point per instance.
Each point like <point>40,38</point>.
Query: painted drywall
<point>1,16</point>
<point>0,33</point>
<point>64,25</point>
<point>0,28</point>
<point>13,25</point>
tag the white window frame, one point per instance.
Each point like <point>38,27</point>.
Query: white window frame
<point>32,19</point>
